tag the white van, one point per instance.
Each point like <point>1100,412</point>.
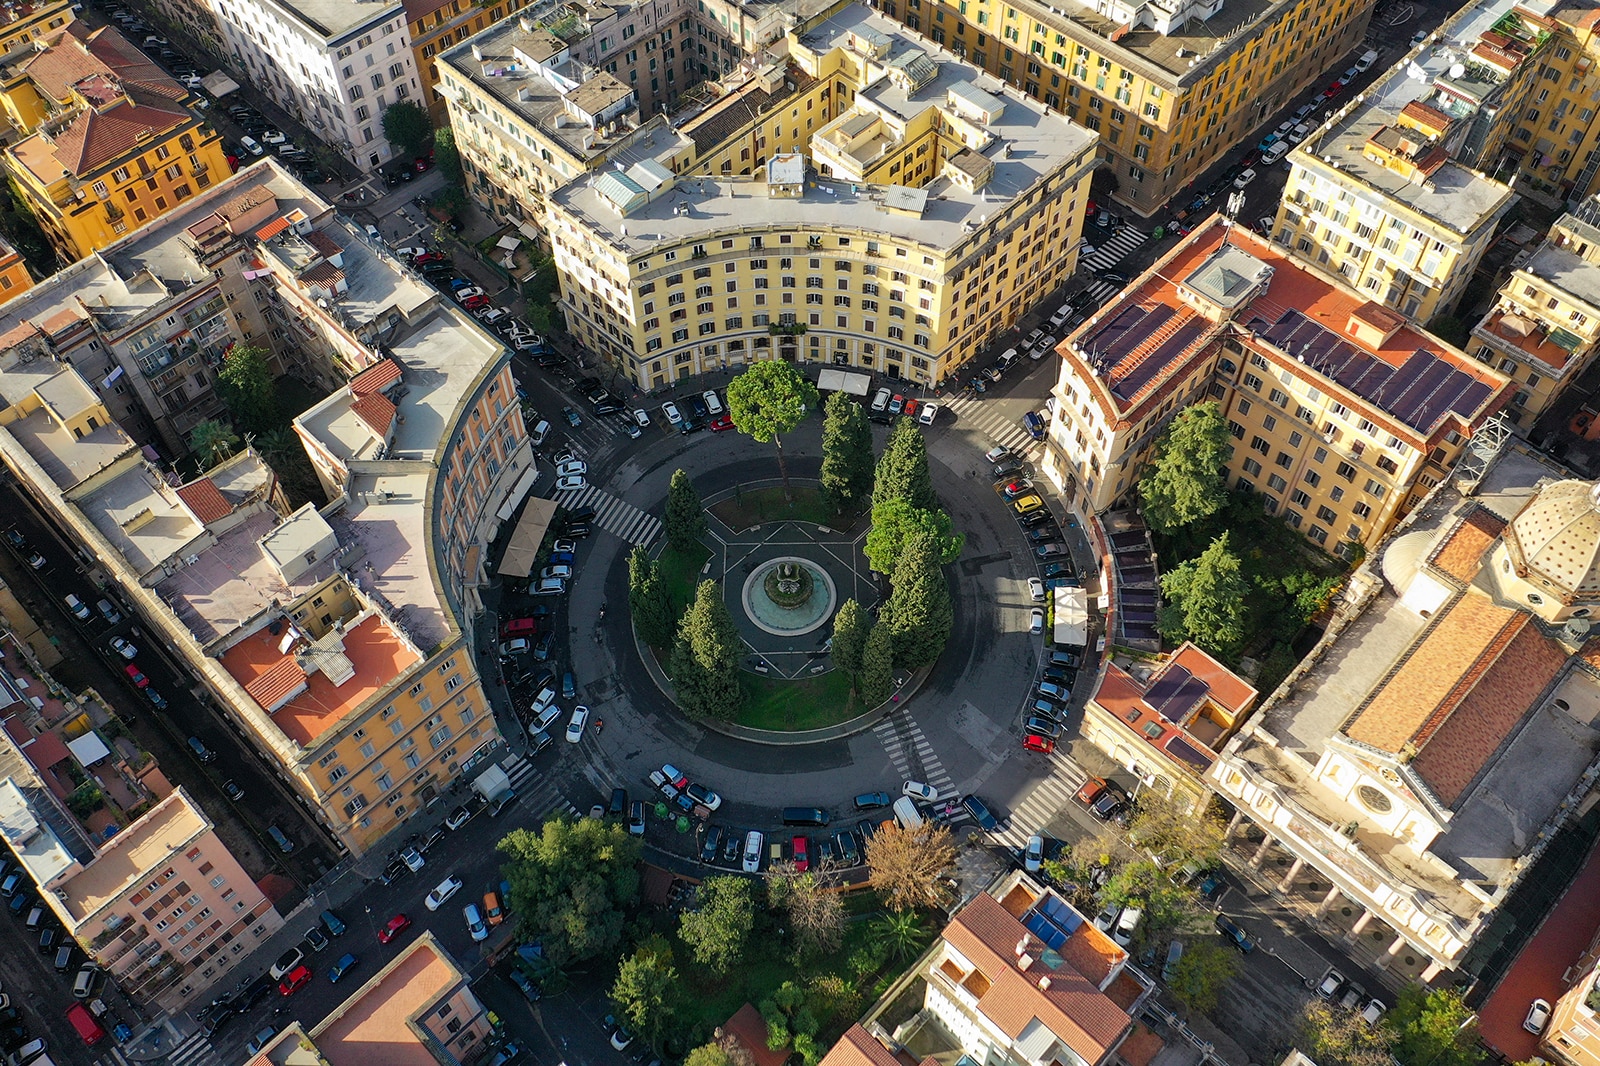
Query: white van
<point>1369,57</point>
<point>906,813</point>
<point>1278,150</point>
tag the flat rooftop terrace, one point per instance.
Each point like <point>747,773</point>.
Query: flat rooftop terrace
<point>132,855</point>
<point>375,1024</point>
<point>388,516</point>
<point>376,653</point>
<point>143,517</point>
<point>1039,143</point>
<point>376,284</point>
<point>335,18</point>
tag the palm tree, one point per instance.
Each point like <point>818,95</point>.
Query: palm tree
<point>900,933</point>
<point>212,442</point>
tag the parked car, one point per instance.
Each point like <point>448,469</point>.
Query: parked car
<point>575,726</point>
<point>1234,935</point>
<point>1538,1016</point>
<point>393,928</point>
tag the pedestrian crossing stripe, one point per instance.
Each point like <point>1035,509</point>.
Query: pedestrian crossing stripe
<point>1114,249</point>
<point>921,762</point>
<point>972,413</point>
<point>193,1050</point>
<point>547,800</point>
<point>1044,800</point>
<point>612,514</point>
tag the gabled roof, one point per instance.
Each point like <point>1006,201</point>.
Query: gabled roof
<point>376,411</point>
<point>857,1047</point>
<point>95,138</point>
<point>1461,553</point>
<point>77,52</point>
<point>375,378</point>
<point>205,500</point>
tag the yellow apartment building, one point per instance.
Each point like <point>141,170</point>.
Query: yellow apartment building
<point>1169,87</point>
<point>1542,330</point>
<point>1572,1037</point>
<point>164,907</point>
<point>21,23</point>
<point>334,634</point>
<point>14,276</point>
<point>1342,414</point>
<point>111,141</point>
<point>932,211</point>
<point>1385,194</point>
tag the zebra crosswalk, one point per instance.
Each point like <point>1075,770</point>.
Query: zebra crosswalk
<point>1116,248</point>
<point>612,514</point>
<point>973,414</point>
<point>911,753</point>
<point>193,1050</point>
<point>1057,790</point>
<point>535,792</point>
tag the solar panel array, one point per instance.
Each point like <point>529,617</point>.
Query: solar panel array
<point>1140,374</point>
<point>1182,749</point>
<point>1419,392</point>
<point>1175,693</point>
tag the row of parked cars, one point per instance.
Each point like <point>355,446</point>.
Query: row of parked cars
<point>886,406</point>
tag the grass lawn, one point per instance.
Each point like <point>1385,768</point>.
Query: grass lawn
<point>756,978</point>
<point>681,572</point>
<point>792,705</point>
<point>752,507</point>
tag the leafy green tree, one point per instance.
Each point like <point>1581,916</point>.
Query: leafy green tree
<point>1175,829</point>
<point>768,400</point>
<point>1187,481</point>
<point>1332,1036</point>
<point>705,661</point>
<point>850,627</point>
<point>286,454</point>
<point>1198,978</point>
<point>541,292</point>
<point>686,517</point>
<point>1433,1027</point>
<point>902,472</point>
<point>718,927</point>
<point>919,610</point>
<point>1309,593</point>
<point>212,442</point>
<point>846,452</point>
<point>648,600</point>
<point>894,522</point>
<point>1206,602</point>
<point>573,883</point>
<point>446,156</point>
<point>647,990</point>
<point>245,385</point>
<point>875,681</point>
<point>406,125</point>
<point>725,1049</point>
<point>1167,907</point>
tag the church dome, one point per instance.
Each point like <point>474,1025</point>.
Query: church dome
<point>1554,542</point>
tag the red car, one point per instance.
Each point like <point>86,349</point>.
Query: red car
<point>1034,742</point>
<point>428,257</point>
<point>721,424</point>
<point>395,926</point>
<point>294,980</point>
<point>421,163</point>
<point>472,303</point>
<point>802,860</point>
<point>1333,90</point>
<point>136,676</point>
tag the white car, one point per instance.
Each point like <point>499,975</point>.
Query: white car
<point>1244,178</point>
<point>572,466</point>
<point>413,859</point>
<point>468,292</point>
<point>570,482</point>
<point>1036,589</point>
<point>641,417</point>
<point>558,570</point>
<point>273,137</point>
<point>441,892</point>
<point>1033,855</point>
<point>669,411</point>
<point>251,146</point>
<point>704,797</point>
<point>580,718</point>
<point>1036,620</point>
<point>476,926</point>
<point>1044,347</point>
<point>1538,1016</point>
<point>490,315</point>
<point>124,649</point>
<point>928,413</point>
<point>917,790</point>
<point>752,852</point>
<point>564,545</point>
<point>410,251</point>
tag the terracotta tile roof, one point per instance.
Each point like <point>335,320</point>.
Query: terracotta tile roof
<point>375,378</point>
<point>277,684</point>
<point>66,318</point>
<point>205,500</point>
<point>324,273</point>
<point>749,1028</point>
<point>1442,665</point>
<point>1141,1047</point>
<point>1522,333</point>
<point>857,1047</point>
<point>376,411</point>
<point>1461,554</point>
<point>1458,742</point>
<point>97,137</point>
<point>18,333</point>
<point>1072,1008</point>
<point>273,228</point>
<point>324,243</point>
<point>78,53</point>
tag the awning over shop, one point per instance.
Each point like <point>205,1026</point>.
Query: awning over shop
<point>829,380</point>
<point>526,538</point>
<point>518,491</point>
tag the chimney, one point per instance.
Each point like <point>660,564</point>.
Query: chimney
<point>1044,983</point>
<point>1024,962</point>
<point>1022,946</point>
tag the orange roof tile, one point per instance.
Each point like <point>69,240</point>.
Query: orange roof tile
<point>749,1028</point>
<point>324,243</point>
<point>63,319</point>
<point>1141,1047</point>
<point>1226,688</point>
<point>205,500</point>
<point>324,273</point>
<point>1072,1007</point>
<point>375,378</point>
<point>1457,744</point>
<point>376,1024</point>
<point>376,653</point>
<point>272,688</point>
<point>376,411</point>
<point>1461,554</point>
<point>95,138</point>
<point>273,228</point>
<point>1450,651</point>
<point>857,1047</point>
